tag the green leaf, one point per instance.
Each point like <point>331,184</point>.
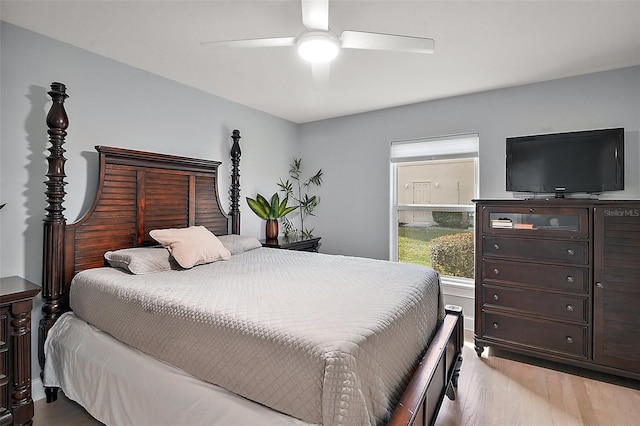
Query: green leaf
<point>289,229</point>
<point>288,210</point>
<point>309,203</point>
<point>266,207</point>
<point>294,168</point>
<point>283,209</point>
<point>270,210</point>
<point>258,208</point>
<point>275,205</point>
<point>315,179</point>
<point>286,187</point>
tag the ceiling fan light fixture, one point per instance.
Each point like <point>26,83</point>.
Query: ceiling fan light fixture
<point>318,46</point>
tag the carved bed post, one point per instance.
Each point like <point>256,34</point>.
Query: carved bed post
<point>54,222</point>
<point>235,183</point>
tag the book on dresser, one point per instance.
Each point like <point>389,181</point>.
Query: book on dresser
<point>523,225</point>
<point>568,292</point>
<point>501,223</point>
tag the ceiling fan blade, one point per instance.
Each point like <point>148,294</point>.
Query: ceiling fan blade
<point>315,14</point>
<point>376,41</point>
<point>320,73</point>
<point>256,42</point>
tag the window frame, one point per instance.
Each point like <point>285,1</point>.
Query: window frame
<point>423,153</point>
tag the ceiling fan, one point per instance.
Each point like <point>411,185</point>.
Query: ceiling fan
<point>319,45</point>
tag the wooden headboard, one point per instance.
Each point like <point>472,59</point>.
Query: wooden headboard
<point>137,191</point>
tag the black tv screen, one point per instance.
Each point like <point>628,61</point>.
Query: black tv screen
<point>590,161</point>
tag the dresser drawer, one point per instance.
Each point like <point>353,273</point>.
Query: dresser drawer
<point>571,252</point>
<point>536,334</point>
<point>546,277</point>
<point>551,305</point>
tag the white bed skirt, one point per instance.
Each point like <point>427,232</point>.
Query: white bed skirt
<point>119,385</point>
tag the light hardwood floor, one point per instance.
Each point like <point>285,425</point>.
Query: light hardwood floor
<point>501,389</point>
<point>63,412</point>
<point>493,390</point>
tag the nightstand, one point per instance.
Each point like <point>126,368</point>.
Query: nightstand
<point>292,243</point>
<point>16,301</point>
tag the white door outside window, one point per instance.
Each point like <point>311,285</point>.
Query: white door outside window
<point>421,195</point>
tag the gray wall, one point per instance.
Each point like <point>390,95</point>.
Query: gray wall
<point>116,105</point>
<point>353,216</point>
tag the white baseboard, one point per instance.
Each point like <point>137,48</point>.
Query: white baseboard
<point>469,323</point>
<point>465,291</point>
<point>459,289</point>
<point>37,389</point>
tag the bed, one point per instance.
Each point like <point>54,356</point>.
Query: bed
<point>261,336</point>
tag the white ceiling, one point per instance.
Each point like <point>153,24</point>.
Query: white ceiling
<point>480,45</point>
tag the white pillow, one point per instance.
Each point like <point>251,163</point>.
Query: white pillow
<point>191,246</point>
<point>237,244</point>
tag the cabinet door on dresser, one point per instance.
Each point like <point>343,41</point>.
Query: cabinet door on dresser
<point>616,310</point>
<point>5,406</point>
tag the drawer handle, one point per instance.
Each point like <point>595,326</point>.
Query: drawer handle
<point>569,339</point>
<point>496,297</point>
<point>496,272</point>
<point>599,285</point>
<point>570,252</point>
<point>495,325</point>
<point>496,246</point>
<point>570,308</point>
<point>570,279</point>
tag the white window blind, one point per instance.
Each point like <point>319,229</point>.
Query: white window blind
<point>444,147</point>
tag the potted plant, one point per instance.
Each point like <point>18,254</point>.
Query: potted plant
<point>270,211</point>
<point>300,194</point>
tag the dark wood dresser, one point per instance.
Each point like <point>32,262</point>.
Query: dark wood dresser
<point>291,243</point>
<point>560,280</point>
<point>16,301</point>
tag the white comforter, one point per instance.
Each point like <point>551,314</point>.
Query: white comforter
<point>326,339</point>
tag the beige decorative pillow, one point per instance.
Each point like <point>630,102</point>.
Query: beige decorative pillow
<point>191,246</point>
<point>141,260</point>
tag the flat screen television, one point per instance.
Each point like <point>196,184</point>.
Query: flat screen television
<point>590,161</point>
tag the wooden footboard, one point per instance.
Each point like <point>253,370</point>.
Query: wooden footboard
<point>436,375</point>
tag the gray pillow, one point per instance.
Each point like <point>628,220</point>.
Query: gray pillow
<point>141,260</point>
<point>237,244</point>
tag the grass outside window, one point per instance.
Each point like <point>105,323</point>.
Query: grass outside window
<point>414,243</point>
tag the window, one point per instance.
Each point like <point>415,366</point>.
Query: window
<point>432,216</point>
